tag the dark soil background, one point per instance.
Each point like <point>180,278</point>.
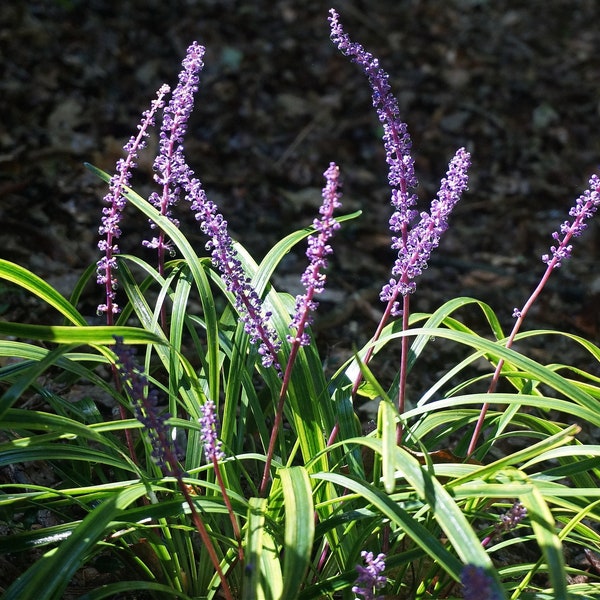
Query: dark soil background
<point>514,82</point>
<point>517,83</point>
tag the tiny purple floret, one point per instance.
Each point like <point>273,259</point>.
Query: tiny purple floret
<point>370,579</point>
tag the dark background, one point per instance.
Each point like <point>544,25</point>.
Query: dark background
<point>514,82</point>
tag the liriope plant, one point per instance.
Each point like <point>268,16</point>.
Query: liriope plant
<point>234,467</point>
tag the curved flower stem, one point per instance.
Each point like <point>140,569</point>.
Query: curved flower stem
<point>314,282</point>
<point>278,419</point>
<point>585,206</point>
<point>403,359</point>
<point>227,501</point>
<point>206,540</point>
<point>509,342</point>
<point>403,367</point>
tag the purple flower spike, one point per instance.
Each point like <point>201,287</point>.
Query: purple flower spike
<point>208,421</point>
<point>415,247</point>
<point>370,580</point>
<point>170,167</point>
<point>586,205</point>
<point>116,203</point>
<point>313,278</point>
<point>508,521</point>
<point>397,142</point>
<point>144,405</point>
<point>224,257</point>
<point>414,244</point>
<point>477,584</point>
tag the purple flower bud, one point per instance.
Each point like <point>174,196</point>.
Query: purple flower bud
<point>513,517</point>
<point>370,580</point>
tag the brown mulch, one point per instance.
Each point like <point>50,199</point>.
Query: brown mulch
<point>514,82</point>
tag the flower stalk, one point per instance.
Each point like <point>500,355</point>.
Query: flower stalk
<point>111,214</point>
<point>585,207</point>
<point>313,280</point>
<point>414,242</point>
<point>215,454</point>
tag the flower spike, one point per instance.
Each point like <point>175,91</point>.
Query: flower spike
<point>144,405</point>
<point>313,278</point>
<point>112,213</point>
<point>414,243</point>
<point>208,435</point>
<point>585,207</point>
<point>224,257</point>
<point>477,584</point>
<point>170,167</point>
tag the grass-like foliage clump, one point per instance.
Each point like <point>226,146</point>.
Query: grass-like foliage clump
<point>234,466</point>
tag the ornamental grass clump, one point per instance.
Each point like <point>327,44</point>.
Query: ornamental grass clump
<point>230,465</point>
